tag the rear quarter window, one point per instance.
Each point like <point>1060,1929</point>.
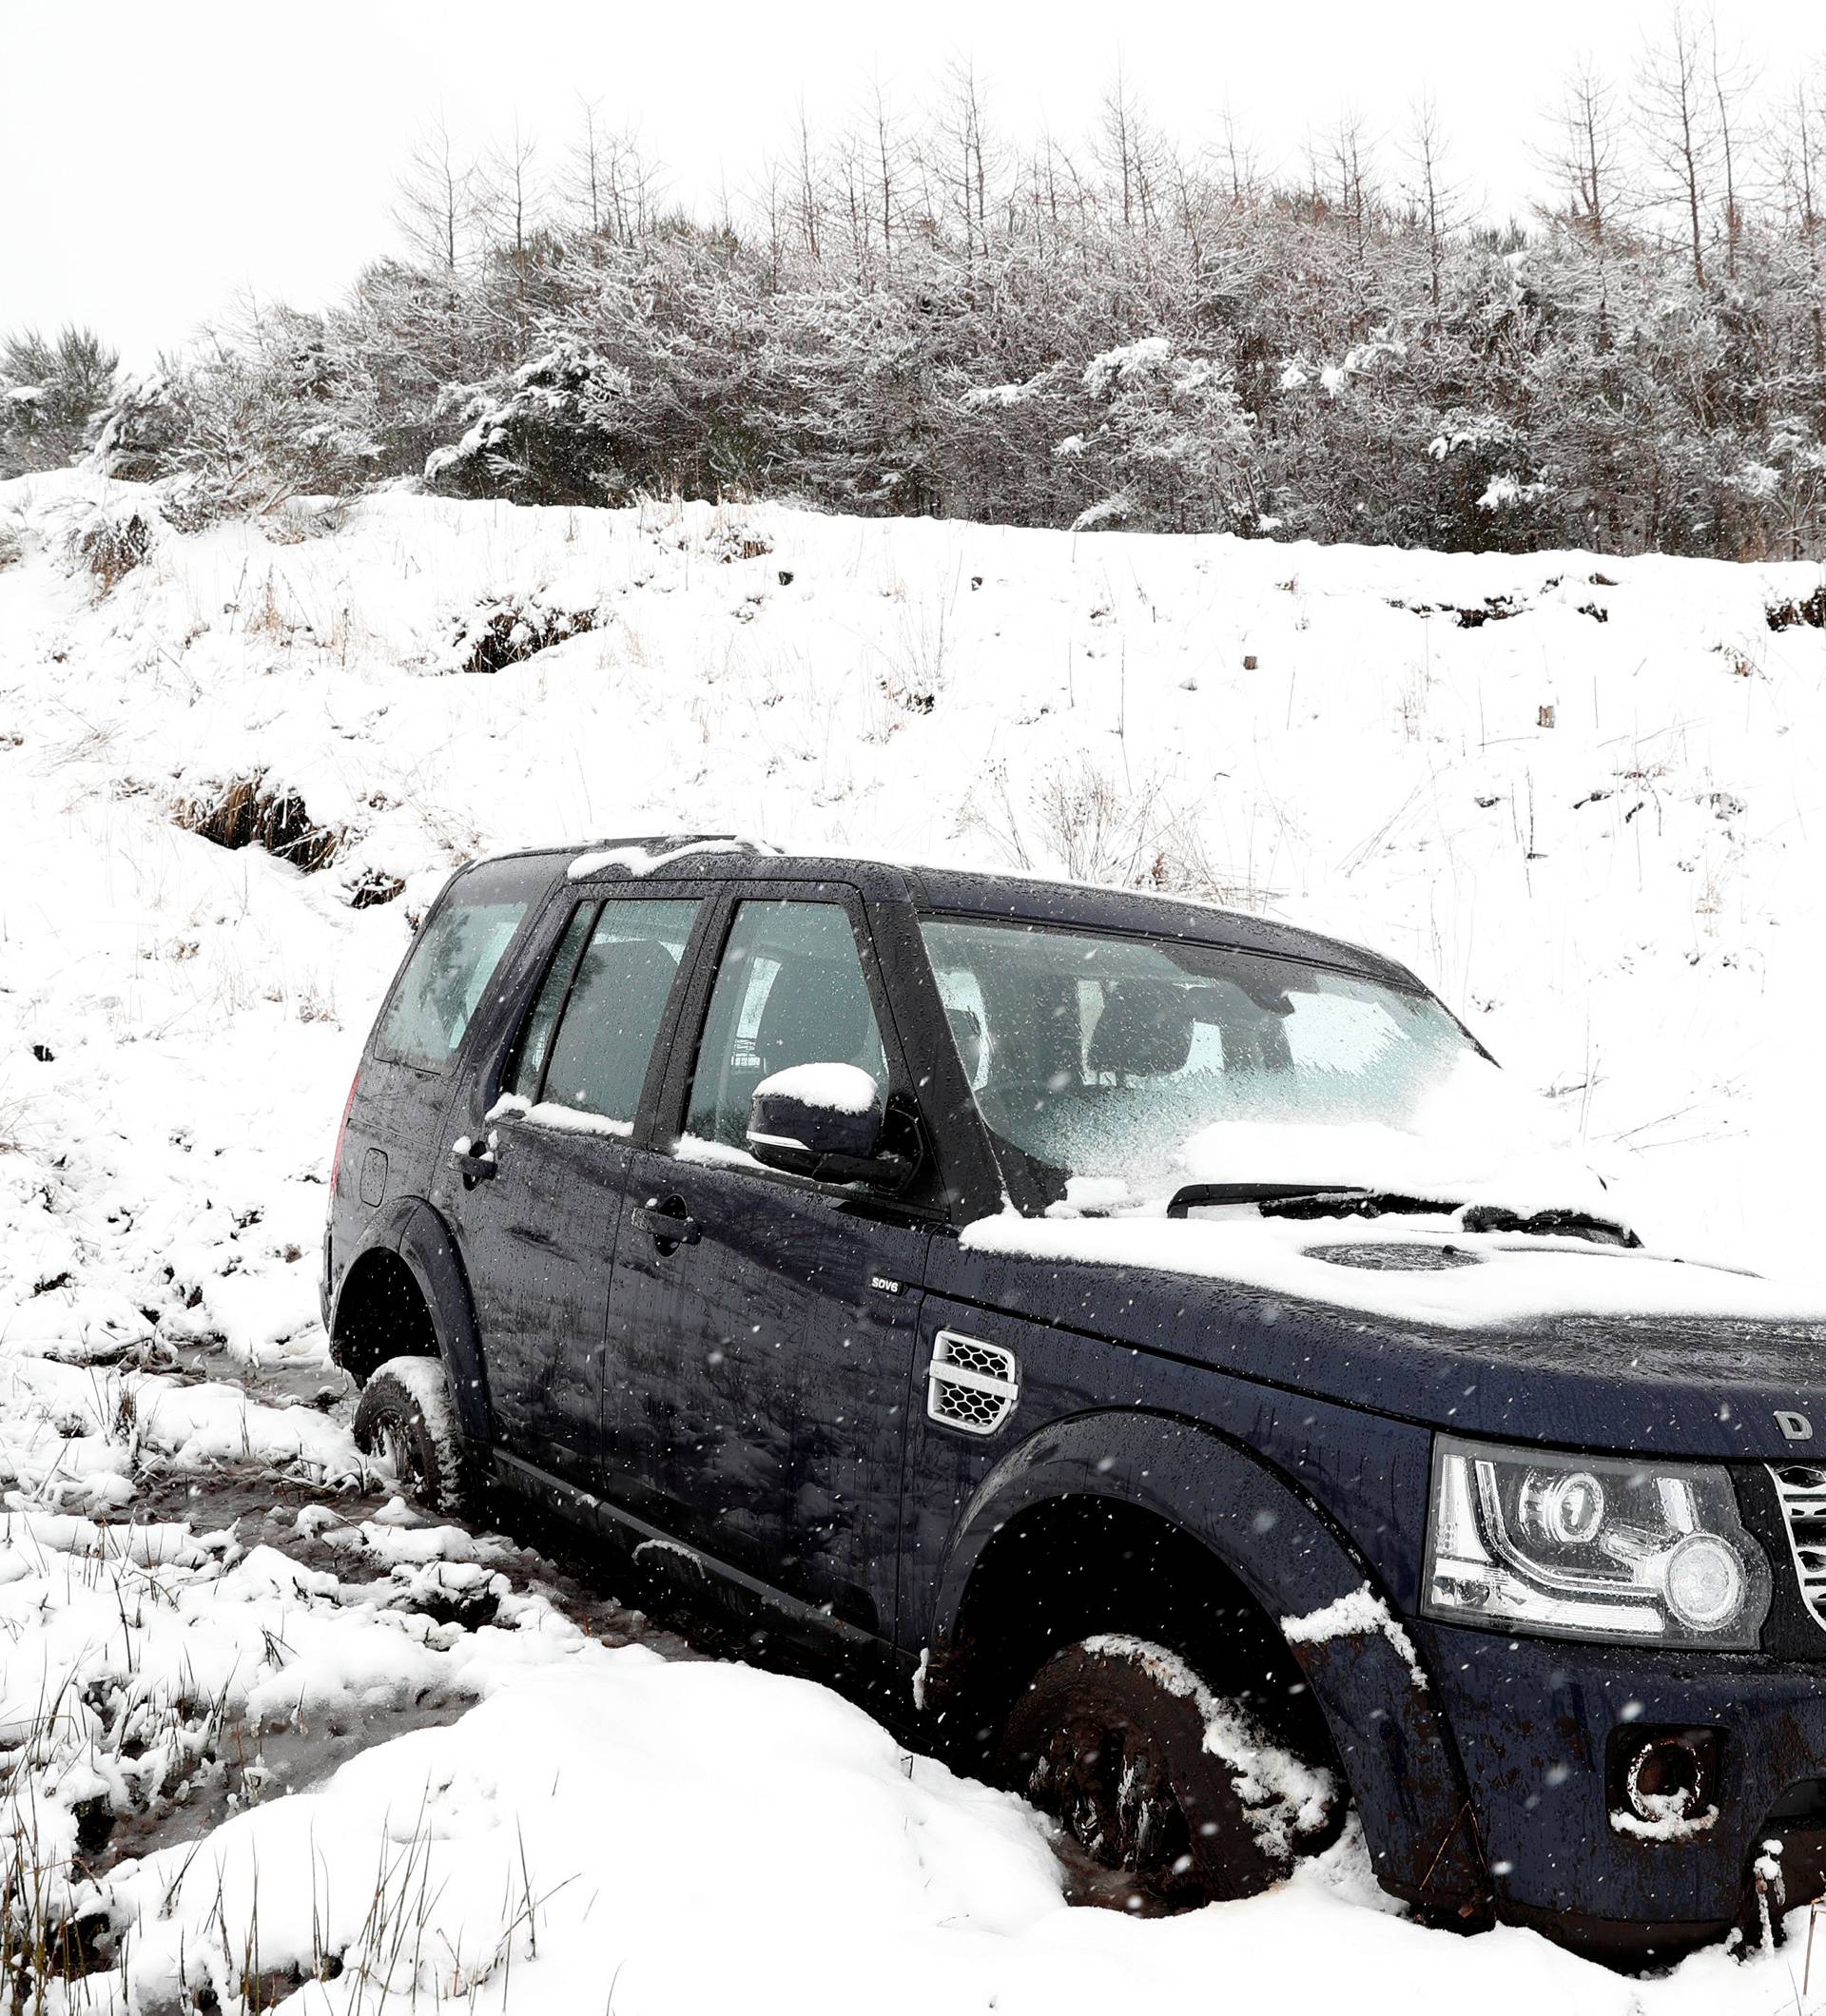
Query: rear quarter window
<point>456,957</point>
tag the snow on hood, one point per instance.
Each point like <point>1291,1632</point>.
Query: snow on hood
<point>1410,1270</point>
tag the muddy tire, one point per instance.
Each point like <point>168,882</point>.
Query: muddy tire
<point>1168,1797</point>
<point>405,1417</point>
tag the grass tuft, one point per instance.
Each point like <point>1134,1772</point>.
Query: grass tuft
<point>250,813</point>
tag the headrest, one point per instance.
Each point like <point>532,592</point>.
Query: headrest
<point>620,991</point>
<point>1144,1032</point>
<point>817,1013</point>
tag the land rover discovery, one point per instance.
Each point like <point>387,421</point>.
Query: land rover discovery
<point>1144,1334</point>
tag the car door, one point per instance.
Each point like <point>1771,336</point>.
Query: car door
<point>762,1327</point>
<point>537,1208</point>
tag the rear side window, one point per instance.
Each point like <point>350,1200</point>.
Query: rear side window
<point>528,1067</point>
<point>453,962</point>
<point>591,1034</point>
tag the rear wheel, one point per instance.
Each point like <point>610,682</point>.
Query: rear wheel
<point>405,1417</point>
<point>1168,1796</point>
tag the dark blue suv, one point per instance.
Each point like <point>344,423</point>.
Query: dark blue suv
<point>953,1268</point>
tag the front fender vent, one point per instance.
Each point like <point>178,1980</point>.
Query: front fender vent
<point>1801,1488</point>
<point>970,1385</point>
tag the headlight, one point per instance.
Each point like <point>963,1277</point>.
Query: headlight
<point>1591,1547</point>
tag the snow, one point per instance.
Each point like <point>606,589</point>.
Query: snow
<point>643,861</point>
<point>1619,905</point>
<point>569,1120</point>
<point>1360,1612</point>
<point>842,1870</point>
<point>1134,361</point>
<point>1283,1798</point>
<point>1509,1278</point>
<point>715,1155</point>
<point>1625,907</point>
<point>1672,1823</point>
<point>831,1088</point>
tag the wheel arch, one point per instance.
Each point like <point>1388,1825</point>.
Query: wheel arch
<point>1238,1527</point>
<point>410,1272</point>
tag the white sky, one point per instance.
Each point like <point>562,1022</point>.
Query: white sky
<point>157,155</point>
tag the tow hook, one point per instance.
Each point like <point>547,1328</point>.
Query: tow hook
<point>1765,1898</point>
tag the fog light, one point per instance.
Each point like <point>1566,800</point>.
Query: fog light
<point>1663,1778</point>
<point>1703,1580</point>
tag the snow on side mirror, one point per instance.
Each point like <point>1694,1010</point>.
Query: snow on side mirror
<point>825,1121</point>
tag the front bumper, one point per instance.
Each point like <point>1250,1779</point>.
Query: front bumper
<point>1534,1721</point>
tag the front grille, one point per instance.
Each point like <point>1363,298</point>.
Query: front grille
<point>1801,1487</point>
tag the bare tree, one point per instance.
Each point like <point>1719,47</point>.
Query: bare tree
<point>886,153</point>
<point>1438,202</point>
<point>437,199</point>
<point>1730,84</point>
<point>1676,123</point>
<point>1801,156</point>
<point>847,197</point>
<point>1238,162</point>
<point>1585,156</point>
<point>587,181</point>
<point>960,162</point>
<point>635,187</point>
<point>508,186</point>
<point>1353,178</point>
<point>1127,151</point>
<point>807,197</point>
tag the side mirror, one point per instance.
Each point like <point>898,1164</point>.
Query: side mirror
<point>826,1121</point>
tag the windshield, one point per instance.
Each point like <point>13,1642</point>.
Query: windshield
<point>1122,1068</point>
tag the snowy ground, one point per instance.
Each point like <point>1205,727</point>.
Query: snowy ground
<point>525,1812</point>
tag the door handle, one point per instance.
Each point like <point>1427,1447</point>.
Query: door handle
<point>476,1161</point>
<point>668,1223</point>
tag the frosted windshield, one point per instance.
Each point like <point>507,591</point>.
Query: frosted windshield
<point>1131,1062</point>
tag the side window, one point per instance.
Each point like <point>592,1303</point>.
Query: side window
<point>789,990</point>
<point>528,1065</point>
<point>451,967</point>
<point>588,1048</point>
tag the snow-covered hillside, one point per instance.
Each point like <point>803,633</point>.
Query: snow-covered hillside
<point>1584,798</point>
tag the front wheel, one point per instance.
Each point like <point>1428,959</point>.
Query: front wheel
<point>1182,1795</point>
<point>405,1417</point>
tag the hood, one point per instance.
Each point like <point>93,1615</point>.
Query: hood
<point>1556,1341</point>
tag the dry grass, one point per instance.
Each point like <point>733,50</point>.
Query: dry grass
<point>373,887</point>
<point>110,545</point>
<point>293,520</point>
<point>1085,823</point>
<point>497,634</point>
<point>248,813</point>
<point>1809,611</point>
<point>730,542</point>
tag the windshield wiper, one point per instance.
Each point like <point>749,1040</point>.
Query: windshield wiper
<point>1550,1225</point>
<point>1303,1200</point>
<point>1314,1200</point>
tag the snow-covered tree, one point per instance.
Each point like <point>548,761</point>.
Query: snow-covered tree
<point>50,390</point>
